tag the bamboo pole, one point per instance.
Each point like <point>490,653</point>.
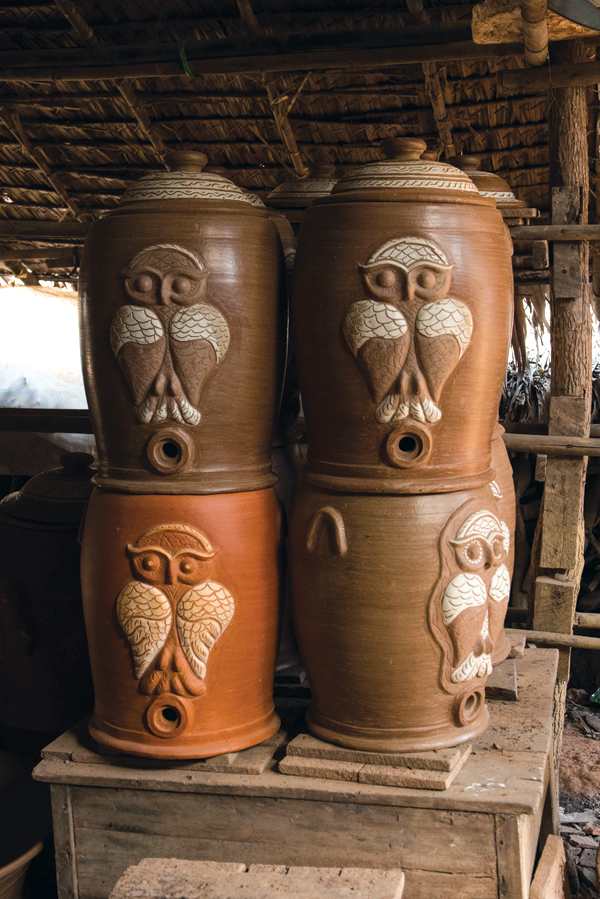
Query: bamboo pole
<point>552,445</point>
<point>561,641</point>
<point>556,232</point>
<point>535,31</point>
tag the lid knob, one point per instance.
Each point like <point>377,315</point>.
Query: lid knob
<point>322,171</point>
<point>186,161</point>
<point>77,465</point>
<point>465,163</point>
<point>403,147</point>
<point>429,156</point>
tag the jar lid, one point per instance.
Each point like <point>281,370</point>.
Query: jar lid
<point>56,496</point>
<point>253,198</point>
<point>185,180</point>
<point>489,185</point>
<point>404,170</point>
<point>320,182</point>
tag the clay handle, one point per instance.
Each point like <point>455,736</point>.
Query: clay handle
<point>186,161</point>
<point>465,163</point>
<point>331,519</point>
<point>403,147</point>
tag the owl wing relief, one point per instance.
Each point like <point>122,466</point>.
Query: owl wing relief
<point>138,342</point>
<point>144,613</point>
<point>464,613</point>
<point>203,613</point>
<point>443,331</point>
<point>377,335</point>
<point>199,341</point>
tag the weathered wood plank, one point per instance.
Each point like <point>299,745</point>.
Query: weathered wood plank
<point>64,842</point>
<point>549,879</point>
<point>502,682</point>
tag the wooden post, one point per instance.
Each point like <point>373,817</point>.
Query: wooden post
<point>561,554</point>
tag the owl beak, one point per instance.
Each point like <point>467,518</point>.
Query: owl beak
<point>165,292</point>
<point>170,577</point>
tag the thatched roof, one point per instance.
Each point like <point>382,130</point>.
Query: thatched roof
<point>82,140</point>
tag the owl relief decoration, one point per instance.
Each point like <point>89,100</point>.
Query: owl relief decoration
<point>409,336</point>
<point>171,613</point>
<point>469,595</point>
<point>167,340</point>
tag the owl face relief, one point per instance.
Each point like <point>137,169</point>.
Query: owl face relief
<point>171,613</point>
<point>167,341</point>
<point>409,336</point>
<point>470,594</point>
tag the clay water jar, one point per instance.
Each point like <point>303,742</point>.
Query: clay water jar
<point>393,598</point>
<point>504,490</point>
<point>181,597</point>
<point>183,319</point>
<point>488,184</point>
<point>292,197</point>
<point>402,313</point>
<point>44,663</point>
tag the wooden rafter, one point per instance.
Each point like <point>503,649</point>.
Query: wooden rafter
<point>280,115</point>
<point>85,34</point>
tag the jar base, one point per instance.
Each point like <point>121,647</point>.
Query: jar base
<point>393,740</point>
<point>502,653</point>
<point>219,743</point>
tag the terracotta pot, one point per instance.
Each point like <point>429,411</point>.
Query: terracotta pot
<point>12,876</point>
<point>402,310</point>
<point>182,326</point>
<point>393,597</point>
<point>44,662</point>
<point>504,490</point>
<point>181,601</point>
<point>487,183</point>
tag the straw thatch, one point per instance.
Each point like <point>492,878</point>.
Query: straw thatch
<point>68,149</point>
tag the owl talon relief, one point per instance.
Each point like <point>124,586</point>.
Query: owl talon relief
<point>402,310</point>
<point>181,300</point>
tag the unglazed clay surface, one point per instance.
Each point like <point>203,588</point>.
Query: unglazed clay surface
<point>363,570</point>
<point>410,336</point>
<point>170,586</point>
<point>168,343</point>
<point>181,600</point>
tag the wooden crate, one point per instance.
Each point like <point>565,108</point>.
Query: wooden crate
<point>476,840</point>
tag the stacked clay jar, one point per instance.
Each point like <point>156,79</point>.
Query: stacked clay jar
<point>181,321</point>
<point>399,549</point>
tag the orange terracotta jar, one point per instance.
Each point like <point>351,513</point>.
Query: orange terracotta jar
<point>181,599</point>
<point>395,599</point>
<point>183,320</point>
<point>402,311</point>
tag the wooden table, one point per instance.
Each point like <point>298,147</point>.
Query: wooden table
<point>476,840</point>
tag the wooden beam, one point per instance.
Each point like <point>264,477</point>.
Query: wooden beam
<point>37,230</point>
<point>323,51</point>
<point>578,74</point>
<point>561,521</point>
<point>535,31</point>
<point>561,641</point>
<point>568,233</point>
<point>63,257</point>
<point>46,421</point>
<point>552,445</point>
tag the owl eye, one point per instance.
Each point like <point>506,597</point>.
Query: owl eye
<point>386,278</point>
<point>427,281</point>
<point>143,284</point>
<point>498,547</point>
<point>181,285</point>
<point>473,552</point>
<point>150,562</point>
<point>188,565</point>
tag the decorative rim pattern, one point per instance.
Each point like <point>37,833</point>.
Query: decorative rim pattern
<point>184,186</point>
<point>407,175</point>
<point>500,196</point>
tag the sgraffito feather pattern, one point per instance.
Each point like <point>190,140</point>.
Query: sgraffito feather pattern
<point>144,613</point>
